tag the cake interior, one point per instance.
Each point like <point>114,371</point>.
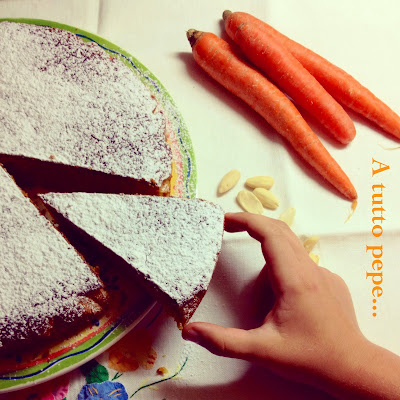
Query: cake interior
<point>36,176</point>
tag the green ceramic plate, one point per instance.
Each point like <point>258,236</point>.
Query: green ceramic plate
<point>24,370</point>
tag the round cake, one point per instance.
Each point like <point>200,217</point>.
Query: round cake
<point>76,119</point>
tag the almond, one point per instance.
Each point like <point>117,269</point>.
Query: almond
<point>315,258</point>
<point>249,202</point>
<point>310,242</point>
<point>229,180</point>
<point>288,216</point>
<point>267,198</point>
<point>265,182</point>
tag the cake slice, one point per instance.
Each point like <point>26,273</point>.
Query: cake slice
<point>171,243</point>
<point>65,101</point>
<point>46,289</point>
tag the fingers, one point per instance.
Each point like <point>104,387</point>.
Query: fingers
<point>263,229</point>
<point>252,223</point>
<point>227,342</point>
<point>282,250</point>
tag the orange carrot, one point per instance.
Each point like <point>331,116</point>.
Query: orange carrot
<point>342,86</point>
<point>289,75</point>
<point>222,63</point>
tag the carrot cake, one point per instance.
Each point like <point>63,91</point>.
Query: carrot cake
<point>171,243</point>
<point>45,287</point>
<point>66,101</point>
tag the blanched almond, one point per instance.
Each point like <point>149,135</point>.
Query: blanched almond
<point>288,216</point>
<point>315,258</point>
<point>265,182</point>
<point>310,242</point>
<point>228,181</point>
<point>267,198</point>
<point>249,202</point>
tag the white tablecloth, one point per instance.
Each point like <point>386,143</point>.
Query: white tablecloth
<point>361,37</point>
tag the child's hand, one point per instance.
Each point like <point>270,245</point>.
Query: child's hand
<point>313,317</point>
<point>311,334</point>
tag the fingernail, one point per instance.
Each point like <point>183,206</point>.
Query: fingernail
<point>192,335</point>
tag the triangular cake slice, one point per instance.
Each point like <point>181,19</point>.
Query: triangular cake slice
<point>172,243</point>
<point>66,101</point>
<point>46,289</point>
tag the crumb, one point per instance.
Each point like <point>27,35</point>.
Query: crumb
<point>52,157</point>
<point>162,371</point>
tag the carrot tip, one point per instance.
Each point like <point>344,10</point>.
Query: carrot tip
<point>193,35</point>
<point>226,14</point>
<point>190,33</point>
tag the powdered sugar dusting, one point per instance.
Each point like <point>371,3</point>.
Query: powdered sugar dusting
<point>69,100</point>
<point>41,274</point>
<point>173,242</point>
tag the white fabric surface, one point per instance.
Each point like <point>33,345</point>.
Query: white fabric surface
<point>362,38</point>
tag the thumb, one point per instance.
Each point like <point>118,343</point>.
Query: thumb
<point>227,342</point>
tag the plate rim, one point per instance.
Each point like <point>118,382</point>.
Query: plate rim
<point>90,357</point>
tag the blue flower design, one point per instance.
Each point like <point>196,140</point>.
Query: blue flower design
<point>104,390</point>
